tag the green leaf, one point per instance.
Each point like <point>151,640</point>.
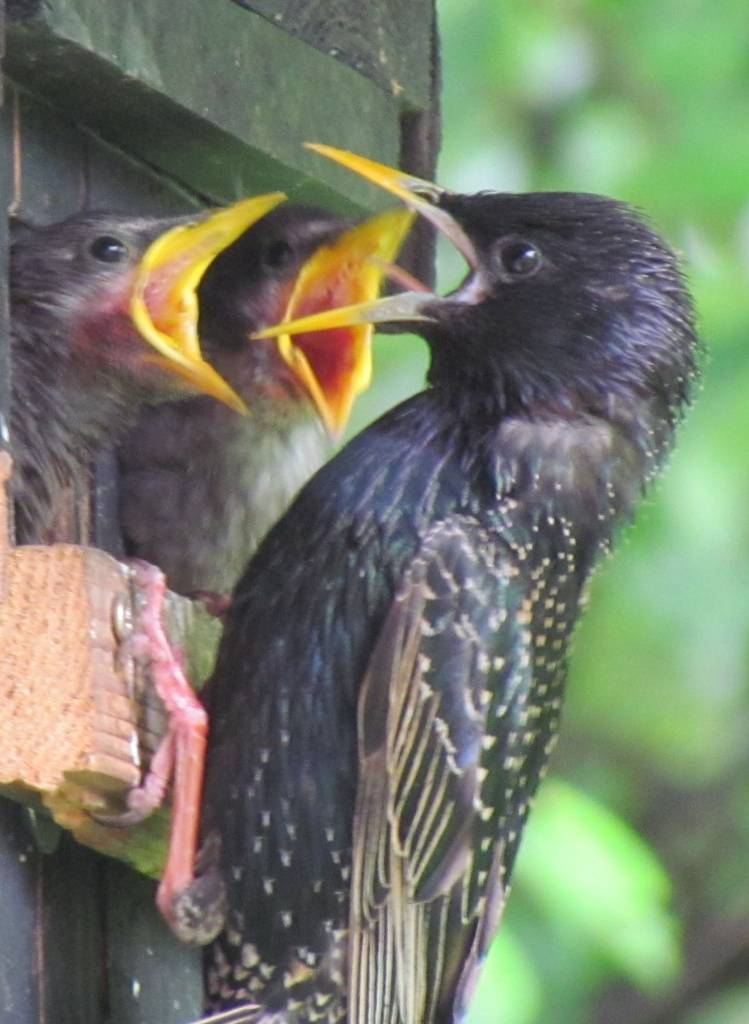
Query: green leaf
<point>730,1007</point>
<point>510,988</point>
<point>587,868</point>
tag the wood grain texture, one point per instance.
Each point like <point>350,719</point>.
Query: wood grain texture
<point>388,41</point>
<point>77,719</point>
<point>153,978</point>
<point>6,198</point>
<point>19,862</point>
<point>80,718</point>
<point>48,164</point>
<point>223,110</point>
<point>217,113</point>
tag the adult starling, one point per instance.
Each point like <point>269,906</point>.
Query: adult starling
<point>86,295</point>
<point>199,485</point>
<point>391,675</point>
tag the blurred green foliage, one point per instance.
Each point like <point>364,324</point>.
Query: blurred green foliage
<point>647,100</point>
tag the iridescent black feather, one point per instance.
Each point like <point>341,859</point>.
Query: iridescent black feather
<point>391,677</point>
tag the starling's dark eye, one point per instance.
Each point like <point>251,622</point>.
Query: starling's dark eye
<point>278,255</point>
<point>108,249</point>
<point>519,258</point>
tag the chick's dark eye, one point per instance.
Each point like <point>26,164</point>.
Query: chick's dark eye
<point>108,249</point>
<point>278,255</point>
<point>520,258</point>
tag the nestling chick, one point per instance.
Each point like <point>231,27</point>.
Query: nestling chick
<point>81,365</point>
<point>200,486</point>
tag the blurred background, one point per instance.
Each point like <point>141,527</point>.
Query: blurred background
<point>631,896</point>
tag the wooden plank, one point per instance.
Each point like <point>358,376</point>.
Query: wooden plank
<point>78,713</point>
<point>19,983</point>
<point>388,41</point>
<point>74,719</point>
<point>71,935</point>
<point>80,940</point>
<point>54,934</point>
<point>48,166</point>
<point>50,927</point>
<point>153,978</point>
<point>6,198</point>
<point>228,117</point>
<point>117,181</point>
<point>19,1002</point>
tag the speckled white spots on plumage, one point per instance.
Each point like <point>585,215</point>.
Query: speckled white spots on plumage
<point>249,956</point>
<point>529,690</point>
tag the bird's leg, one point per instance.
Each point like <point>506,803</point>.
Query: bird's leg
<point>181,752</point>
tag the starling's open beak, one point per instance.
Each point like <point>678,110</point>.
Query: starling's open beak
<point>164,304</point>
<point>335,362</point>
<point>421,196</point>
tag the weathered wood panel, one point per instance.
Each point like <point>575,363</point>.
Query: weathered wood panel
<point>153,979</point>
<point>388,41</point>
<point>72,930</point>
<point>70,935</point>
<point>6,197</point>
<point>48,163</point>
<point>221,100</point>
<point>118,104</point>
<point>19,884</point>
<point>19,1003</point>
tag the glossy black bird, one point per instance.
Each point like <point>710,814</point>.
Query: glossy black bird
<point>103,319</point>
<point>390,680</point>
<point>200,485</point>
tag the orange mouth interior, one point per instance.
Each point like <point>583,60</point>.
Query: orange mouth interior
<point>335,364</point>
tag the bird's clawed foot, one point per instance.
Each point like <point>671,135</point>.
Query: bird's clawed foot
<point>181,753</point>
<point>143,800</point>
<point>196,913</point>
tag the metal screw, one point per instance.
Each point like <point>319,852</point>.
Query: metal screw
<point>122,617</point>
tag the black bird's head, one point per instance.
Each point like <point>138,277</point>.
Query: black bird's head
<point>572,304</point>
<point>571,300</point>
<point>296,261</point>
<point>110,299</point>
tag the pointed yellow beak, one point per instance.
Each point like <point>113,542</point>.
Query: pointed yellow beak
<point>335,363</point>
<point>164,304</point>
<point>421,196</point>
<point>401,308</point>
